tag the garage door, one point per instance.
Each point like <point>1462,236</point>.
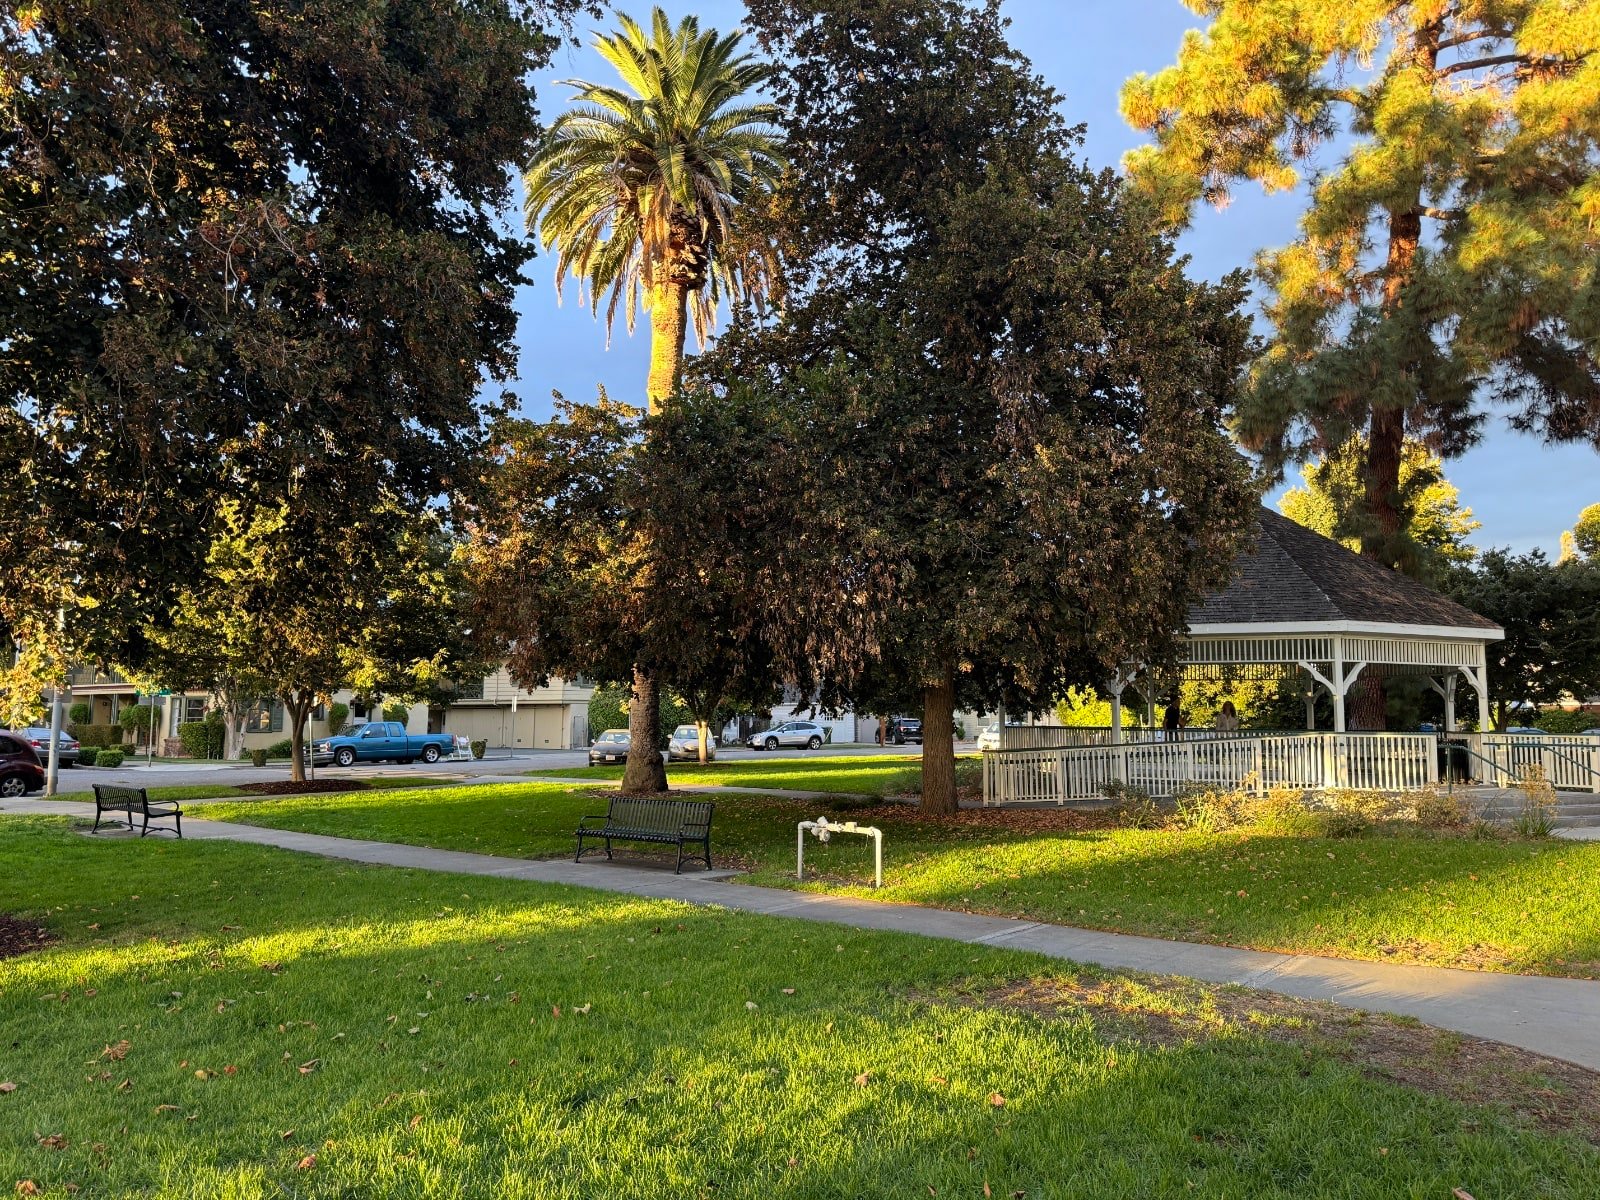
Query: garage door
<point>480,724</point>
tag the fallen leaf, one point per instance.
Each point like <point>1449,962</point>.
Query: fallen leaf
<point>751,1005</point>
<point>861,1079</point>
<point>939,1079</point>
<point>118,1052</point>
<point>286,1134</point>
<point>996,1100</point>
<point>166,1108</point>
<point>52,1141</point>
<point>1461,1194</point>
<point>230,1069</point>
<point>582,1009</point>
<point>27,1187</point>
<point>125,1086</point>
<point>307,1067</point>
<point>7,1086</point>
<point>416,1120</point>
<point>788,991</point>
<point>202,1073</point>
<point>986,1190</point>
<point>306,1163</point>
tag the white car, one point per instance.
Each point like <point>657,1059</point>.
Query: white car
<point>791,733</point>
<point>684,745</point>
<point>989,739</point>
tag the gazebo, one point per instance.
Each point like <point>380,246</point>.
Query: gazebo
<point>1300,605</point>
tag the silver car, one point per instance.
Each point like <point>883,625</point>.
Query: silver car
<point>791,733</point>
<point>684,745</point>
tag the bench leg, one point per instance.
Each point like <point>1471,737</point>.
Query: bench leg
<point>98,810</point>
<point>679,869</point>
<point>608,849</point>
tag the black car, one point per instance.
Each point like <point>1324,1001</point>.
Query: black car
<point>904,729</point>
<point>20,772</point>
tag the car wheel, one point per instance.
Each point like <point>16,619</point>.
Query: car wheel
<point>814,742</point>
<point>346,757</point>
<point>430,754</point>
<point>13,786</point>
<point>898,740</point>
<point>771,743</point>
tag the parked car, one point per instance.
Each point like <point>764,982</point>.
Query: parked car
<point>20,772</point>
<point>379,740</point>
<point>904,729</point>
<point>989,739</point>
<point>611,746</point>
<point>684,745</point>
<point>38,736</point>
<point>791,733</point>
<point>1525,730</point>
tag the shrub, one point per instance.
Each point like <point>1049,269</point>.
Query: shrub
<point>396,712</point>
<point>1537,817</point>
<point>109,758</point>
<point>1437,809</point>
<point>1280,809</point>
<point>1133,807</point>
<point>338,715</point>
<point>87,755</point>
<point>202,739</point>
<point>1370,807</point>
<point>479,748</point>
<point>1209,810</point>
<point>135,718</point>
<point>79,714</point>
<point>1341,823</point>
<point>258,757</point>
<point>1561,721</point>
<point>98,735</point>
<point>283,749</point>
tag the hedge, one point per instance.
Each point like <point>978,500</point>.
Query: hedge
<point>87,755</point>
<point>98,735</point>
<point>202,739</point>
<point>109,758</point>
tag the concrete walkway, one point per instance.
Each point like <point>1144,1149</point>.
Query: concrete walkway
<point>1555,1017</point>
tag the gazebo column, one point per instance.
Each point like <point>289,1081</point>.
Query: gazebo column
<point>1120,679</point>
<point>1311,702</point>
<point>1478,677</point>
<point>1446,687</point>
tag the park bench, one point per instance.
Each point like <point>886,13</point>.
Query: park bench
<point>131,801</point>
<point>663,822</point>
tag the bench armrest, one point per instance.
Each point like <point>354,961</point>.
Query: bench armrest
<point>593,817</point>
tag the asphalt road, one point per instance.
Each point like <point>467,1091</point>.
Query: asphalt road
<point>496,762</point>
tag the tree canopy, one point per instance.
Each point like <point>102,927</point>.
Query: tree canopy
<point>1446,260</point>
<point>991,405</point>
<point>249,251</point>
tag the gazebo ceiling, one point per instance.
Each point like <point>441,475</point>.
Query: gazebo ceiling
<point>1294,578</point>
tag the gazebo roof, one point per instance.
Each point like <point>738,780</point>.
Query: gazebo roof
<point>1295,576</point>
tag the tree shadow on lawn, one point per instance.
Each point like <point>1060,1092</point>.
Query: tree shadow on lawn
<point>628,1048</point>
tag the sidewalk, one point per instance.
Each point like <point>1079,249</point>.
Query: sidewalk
<point>1555,1017</point>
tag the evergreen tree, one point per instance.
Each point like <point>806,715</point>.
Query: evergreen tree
<point>1447,260</point>
<point>1436,527</point>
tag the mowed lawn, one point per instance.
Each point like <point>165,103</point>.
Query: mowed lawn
<point>222,1020</point>
<point>864,774</point>
<point>1525,906</point>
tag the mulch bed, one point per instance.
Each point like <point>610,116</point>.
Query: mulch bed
<point>21,937</point>
<point>286,787</point>
<point>1551,1095</point>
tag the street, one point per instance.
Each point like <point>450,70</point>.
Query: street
<point>498,762</point>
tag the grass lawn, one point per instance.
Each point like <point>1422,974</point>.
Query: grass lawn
<point>224,1020</point>
<point>866,774</point>
<point>1523,906</point>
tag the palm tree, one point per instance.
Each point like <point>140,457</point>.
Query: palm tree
<point>638,189</point>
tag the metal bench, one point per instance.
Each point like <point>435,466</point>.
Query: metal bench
<point>663,822</point>
<point>111,797</point>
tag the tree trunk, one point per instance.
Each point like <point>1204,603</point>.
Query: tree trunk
<point>645,772</point>
<point>939,747</point>
<point>668,313</point>
<point>298,705</point>
<point>704,729</point>
<point>1366,706</point>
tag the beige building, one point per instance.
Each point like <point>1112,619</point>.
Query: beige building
<point>494,710</point>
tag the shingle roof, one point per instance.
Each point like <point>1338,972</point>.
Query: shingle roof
<point>1296,575</point>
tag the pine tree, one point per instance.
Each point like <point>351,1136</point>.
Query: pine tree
<point>1446,261</point>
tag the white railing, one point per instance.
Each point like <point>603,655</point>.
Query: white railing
<point>1569,763</point>
<point>1062,774</point>
<point>1043,737</point>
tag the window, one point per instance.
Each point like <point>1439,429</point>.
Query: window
<point>185,709</point>
<point>265,717</point>
<point>469,689</point>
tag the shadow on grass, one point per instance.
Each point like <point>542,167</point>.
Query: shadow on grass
<point>678,1063</point>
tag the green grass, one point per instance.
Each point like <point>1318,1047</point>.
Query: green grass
<point>217,1014</point>
<point>208,791</point>
<point>1525,906</point>
<point>865,775</point>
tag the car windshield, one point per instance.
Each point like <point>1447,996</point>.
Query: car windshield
<point>613,736</point>
<point>686,731</point>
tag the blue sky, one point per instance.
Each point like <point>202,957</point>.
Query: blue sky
<point>1525,493</point>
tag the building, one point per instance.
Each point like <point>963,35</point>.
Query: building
<point>493,709</point>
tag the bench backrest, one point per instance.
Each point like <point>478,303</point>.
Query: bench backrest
<point>659,816</point>
<point>117,795</point>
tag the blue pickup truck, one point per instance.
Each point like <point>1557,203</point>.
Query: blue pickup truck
<point>387,739</point>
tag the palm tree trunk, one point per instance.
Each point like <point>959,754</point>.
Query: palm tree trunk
<point>645,772</point>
